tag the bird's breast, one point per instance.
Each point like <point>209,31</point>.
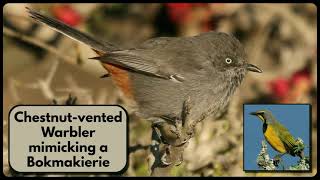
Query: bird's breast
<point>274,140</point>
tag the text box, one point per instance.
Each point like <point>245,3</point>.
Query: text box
<point>68,138</point>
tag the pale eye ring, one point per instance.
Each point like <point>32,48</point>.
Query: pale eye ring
<point>228,60</point>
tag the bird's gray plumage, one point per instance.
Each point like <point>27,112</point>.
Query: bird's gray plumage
<point>165,71</point>
<point>207,82</point>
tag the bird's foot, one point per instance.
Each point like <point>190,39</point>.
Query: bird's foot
<point>165,159</point>
<point>179,129</point>
<point>277,159</point>
<point>171,132</point>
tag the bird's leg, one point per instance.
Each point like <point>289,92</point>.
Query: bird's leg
<point>277,159</point>
<point>171,130</point>
<point>163,146</point>
<point>180,125</point>
<point>298,148</point>
<point>163,127</point>
<point>179,129</point>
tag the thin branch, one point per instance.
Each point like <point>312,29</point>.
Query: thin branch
<point>18,16</point>
<point>137,147</point>
<point>45,84</point>
<point>32,40</point>
<point>265,162</point>
<point>12,83</point>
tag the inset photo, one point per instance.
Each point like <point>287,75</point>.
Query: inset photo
<point>277,137</point>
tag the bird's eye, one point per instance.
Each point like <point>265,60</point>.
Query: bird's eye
<point>228,60</point>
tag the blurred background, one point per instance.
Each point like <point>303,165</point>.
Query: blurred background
<point>41,65</point>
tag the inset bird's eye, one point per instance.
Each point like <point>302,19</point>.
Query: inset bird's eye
<point>228,60</point>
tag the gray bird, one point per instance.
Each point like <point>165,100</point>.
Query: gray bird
<point>162,73</point>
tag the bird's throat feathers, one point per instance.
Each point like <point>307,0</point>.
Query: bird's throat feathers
<point>261,118</point>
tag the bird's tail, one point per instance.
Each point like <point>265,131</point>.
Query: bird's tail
<point>72,32</point>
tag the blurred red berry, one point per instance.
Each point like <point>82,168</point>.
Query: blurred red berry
<point>178,11</point>
<point>299,76</point>
<point>280,88</point>
<point>67,14</point>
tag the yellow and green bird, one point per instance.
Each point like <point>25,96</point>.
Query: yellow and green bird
<point>277,135</point>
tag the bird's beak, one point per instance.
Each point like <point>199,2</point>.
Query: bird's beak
<point>253,68</point>
<point>254,113</point>
<point>258,114</point>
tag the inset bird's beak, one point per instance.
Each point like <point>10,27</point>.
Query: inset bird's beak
<point>253,68</point>
<point>254,113</point>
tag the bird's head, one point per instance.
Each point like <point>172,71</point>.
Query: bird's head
<point>264,115</point>
<point>227,51</point>
<point>227,55</point>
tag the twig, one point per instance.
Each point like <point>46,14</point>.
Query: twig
<point>137,147</point>
<point>12,83</point>
<point>45,84</point>
<point>39,43</point>
<point>18,16</point>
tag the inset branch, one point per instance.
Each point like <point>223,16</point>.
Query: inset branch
<point>263,160</point>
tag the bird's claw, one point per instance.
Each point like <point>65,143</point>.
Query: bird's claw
<point>180,161</point>
<point>164,160</point>
<point>277,159</point>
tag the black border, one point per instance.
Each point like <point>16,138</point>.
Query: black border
<point>162,1</point>
<point>281,171</point>
<point>124,169</point>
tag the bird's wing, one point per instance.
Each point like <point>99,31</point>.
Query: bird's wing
<point>130,60</point>
<point>286,137</point>
<point>72,32</point>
